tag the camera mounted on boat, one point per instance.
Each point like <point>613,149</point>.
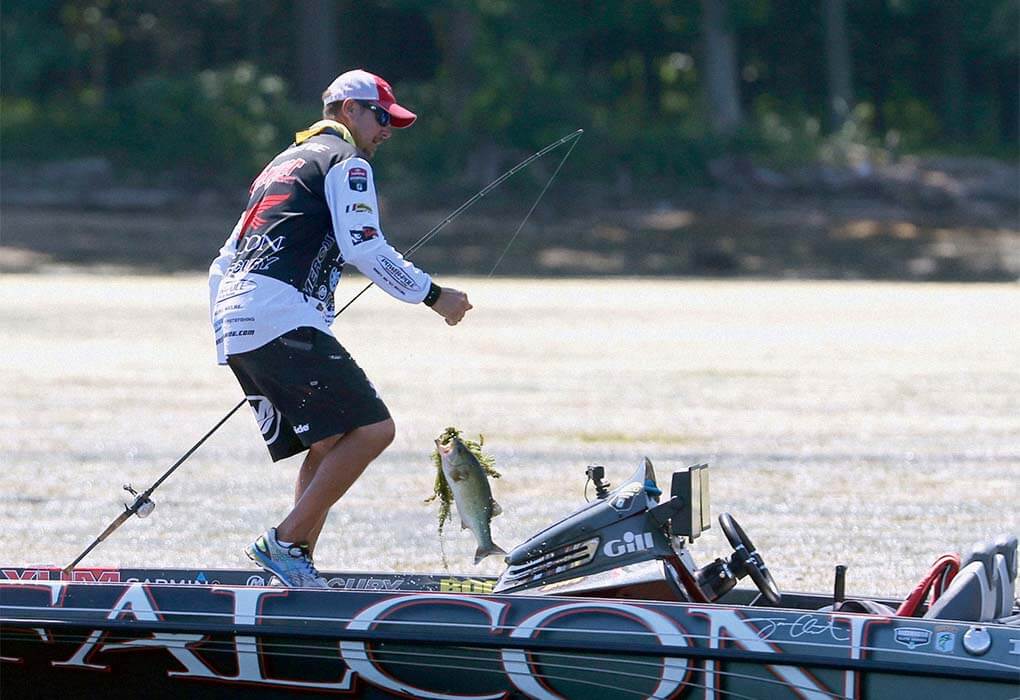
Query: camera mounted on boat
<point>630,525</point>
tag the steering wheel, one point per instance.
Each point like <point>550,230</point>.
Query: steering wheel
<point>745,554</point>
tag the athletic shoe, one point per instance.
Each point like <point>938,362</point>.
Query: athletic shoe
<point>292,564</point>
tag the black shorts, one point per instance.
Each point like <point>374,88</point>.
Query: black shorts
<point>304,387</point>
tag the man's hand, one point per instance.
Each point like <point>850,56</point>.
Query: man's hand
<point>452,304</point>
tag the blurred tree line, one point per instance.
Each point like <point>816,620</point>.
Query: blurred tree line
<point>215,87</point>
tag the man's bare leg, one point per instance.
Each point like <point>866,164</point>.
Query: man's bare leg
<point>310,465</point>
<point>342,461</point>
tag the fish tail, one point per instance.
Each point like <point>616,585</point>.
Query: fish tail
<point>483,552</point>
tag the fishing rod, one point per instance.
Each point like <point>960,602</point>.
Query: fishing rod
<point>143,505</point>
<point>481,193</point>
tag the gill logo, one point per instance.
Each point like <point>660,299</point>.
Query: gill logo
<point>630,542</point>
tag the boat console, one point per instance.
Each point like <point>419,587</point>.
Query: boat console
<point>633,524</point>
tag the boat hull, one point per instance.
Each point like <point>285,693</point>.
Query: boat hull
<point>228,639</point>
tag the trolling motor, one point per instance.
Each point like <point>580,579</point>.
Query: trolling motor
<point>629,525</point>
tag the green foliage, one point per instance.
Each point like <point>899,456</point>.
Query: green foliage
<point>192,85</point>
<point>910,122</point>
<point>218,121</point>
<point>790,138</point>
<point>32,59</point>
<point>233,118</point>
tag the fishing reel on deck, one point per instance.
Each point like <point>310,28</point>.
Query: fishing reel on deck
<point>629,525</point>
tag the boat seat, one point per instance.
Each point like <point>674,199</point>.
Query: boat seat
<point>870,607</point>
<point>984,588</point>
<point>1012,620</point>
<point>1006,573</point>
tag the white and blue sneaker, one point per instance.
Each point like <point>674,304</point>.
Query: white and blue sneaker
<point>290,563</point>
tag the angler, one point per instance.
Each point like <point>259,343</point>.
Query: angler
<point>229,278</point>
<point>313,209</point>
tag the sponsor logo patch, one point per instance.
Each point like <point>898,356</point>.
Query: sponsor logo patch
<point>453,585</point>
<point>365,233</point>
<point>396,273</point>
<point>201,579</point>
<point>325,251</point>
<point>358,208</point>
<point>630,542</point>
<point>368,584</point>
<point>254,265</point>
<point>623,498</point>
<point>255,217</point>
<point>284,172</point>
<point>357,179</point>
<point>90,575</point>
<point>258,242</point>
<point>239,334</point>
<point>234,288</point>
<point>267,417</point>
<point>944,642</point>
<point>912,637</point>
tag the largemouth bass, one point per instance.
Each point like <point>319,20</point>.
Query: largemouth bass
<point>471,494</point>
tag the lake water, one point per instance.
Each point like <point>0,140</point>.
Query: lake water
<point>868,424</point>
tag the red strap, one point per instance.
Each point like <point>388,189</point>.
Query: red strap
<point>939,576</point>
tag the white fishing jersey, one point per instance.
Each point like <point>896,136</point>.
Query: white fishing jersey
<point>312,210</point>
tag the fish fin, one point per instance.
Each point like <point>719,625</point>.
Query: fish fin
<point>496,508</point>
<point>483,552</point>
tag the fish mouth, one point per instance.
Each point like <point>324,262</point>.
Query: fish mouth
<point>444,448</point>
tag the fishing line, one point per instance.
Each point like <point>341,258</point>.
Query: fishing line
<point>576,136</point>
<point>573,138</point>
<point>481,193</point>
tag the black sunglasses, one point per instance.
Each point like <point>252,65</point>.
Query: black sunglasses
<point>382,117</point>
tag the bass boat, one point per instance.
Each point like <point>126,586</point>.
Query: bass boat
<point>606,603</point>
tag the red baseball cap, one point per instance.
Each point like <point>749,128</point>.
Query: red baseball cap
<point>362,85</point>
